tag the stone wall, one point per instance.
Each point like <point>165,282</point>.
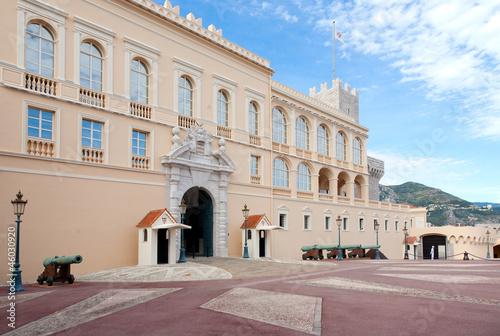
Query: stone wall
<point>376,169</point>
<point>341,98</point>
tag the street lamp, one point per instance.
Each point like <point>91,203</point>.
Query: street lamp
<point>405,230</point>
<point>245,211</point>
<point>19,205</point>
<point>377,225</point>
<point>182,208</point>
<point>339,250</point>
<point>488,241</point>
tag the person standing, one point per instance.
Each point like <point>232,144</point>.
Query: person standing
<point>432,253</point>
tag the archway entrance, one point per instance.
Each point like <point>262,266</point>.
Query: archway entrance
<point>439,243</point>
<point>496,251</point>
<point>199,215</point>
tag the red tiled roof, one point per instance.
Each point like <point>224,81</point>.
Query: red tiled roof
<point>411,240</point>
<point>252,221</point>
<point>152,216</point>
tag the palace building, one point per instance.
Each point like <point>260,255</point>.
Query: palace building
<point>114,111</point>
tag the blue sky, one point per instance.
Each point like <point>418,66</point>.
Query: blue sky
<point>428,74</point>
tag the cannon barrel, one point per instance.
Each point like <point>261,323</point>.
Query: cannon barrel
<point>76,259</point>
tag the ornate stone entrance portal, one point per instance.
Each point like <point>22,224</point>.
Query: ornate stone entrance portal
<point>193,163</point>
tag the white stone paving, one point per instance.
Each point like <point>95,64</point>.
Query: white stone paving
<point>446,278</point>
<point>188,271</point>
<point>299,312</point>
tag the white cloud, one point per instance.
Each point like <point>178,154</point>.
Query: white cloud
<point>432,171</point>
<point>282,13</point>
<point>451,47</point>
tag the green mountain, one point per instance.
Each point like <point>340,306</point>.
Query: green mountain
<point>443,208</point>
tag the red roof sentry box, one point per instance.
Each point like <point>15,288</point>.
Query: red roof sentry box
<point>159,219</point>
<point>260,222</point>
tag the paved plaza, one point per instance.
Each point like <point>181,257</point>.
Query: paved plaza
<point>233,296</point>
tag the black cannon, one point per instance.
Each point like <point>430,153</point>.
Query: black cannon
<point>58,269</point>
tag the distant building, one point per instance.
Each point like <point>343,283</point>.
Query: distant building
<point>116,110</point>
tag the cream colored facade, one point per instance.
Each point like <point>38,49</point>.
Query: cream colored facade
<point>90,177</point>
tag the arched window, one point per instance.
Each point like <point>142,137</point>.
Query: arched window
<point>303,177</point>
<point>323,141</point>
<point>357,151</point>
<point>145,235</point>
<point>341,146</point>
<point>222,108</point>
<point>253,119</point>
<point>279,126</point>
<point>39,50</point>
<point>90,66</point>
<point>302,133</point>
<point>139,81</point>
<point>280,173</point>
<point>185,97</point>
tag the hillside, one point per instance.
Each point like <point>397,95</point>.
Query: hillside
<point>443,208</point>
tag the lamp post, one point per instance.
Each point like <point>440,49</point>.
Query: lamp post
<point>245,211</point>
<point>488,241</point>
<point>405,230</point>
<point>182,208</point>
<point>19,205</point>
<point>377,225</point>
<point>339,250</point>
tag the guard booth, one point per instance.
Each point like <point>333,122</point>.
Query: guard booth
<point>158,238</point>
<point>258,236</point>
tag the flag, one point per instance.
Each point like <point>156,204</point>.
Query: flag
<point>339,36</point>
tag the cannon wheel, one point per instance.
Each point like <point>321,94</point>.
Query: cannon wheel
<point>304,257</point>
<point>315,257</point>
<point>321,258</point>
<point>71,279</point>
<point>40,279</point>
<point>50,281</point>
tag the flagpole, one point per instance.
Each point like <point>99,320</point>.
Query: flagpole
<point>333,50</point>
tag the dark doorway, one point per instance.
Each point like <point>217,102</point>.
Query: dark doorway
<point>429,242</point>
<point>199,215</point>
<point>262,243</point>
<point>496,251</point>
<point>162,246</point>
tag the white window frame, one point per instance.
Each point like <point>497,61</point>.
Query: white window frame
<point>361,223</point>
<point>357,153</point>
<point>302,135</point>
<point>341,146</point>
<point>345,223</point>
<point>56,136</point>
<point>387,224</point>
<point>105,137</point>
<point>193,72</point>
<point>258,98</point>
<point>304,179</point>
<point>283,210</point>
<point>259,166</point>
<point>88,31</point>
<point>328,220</point>
<point>283,124</point>
<point>326,140</point>
<point>307,218</point>
<point>286,171</point>
<point>222,83</point>
<point>138,50</point>
<point>150,145</point>
<point>31,11</point>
